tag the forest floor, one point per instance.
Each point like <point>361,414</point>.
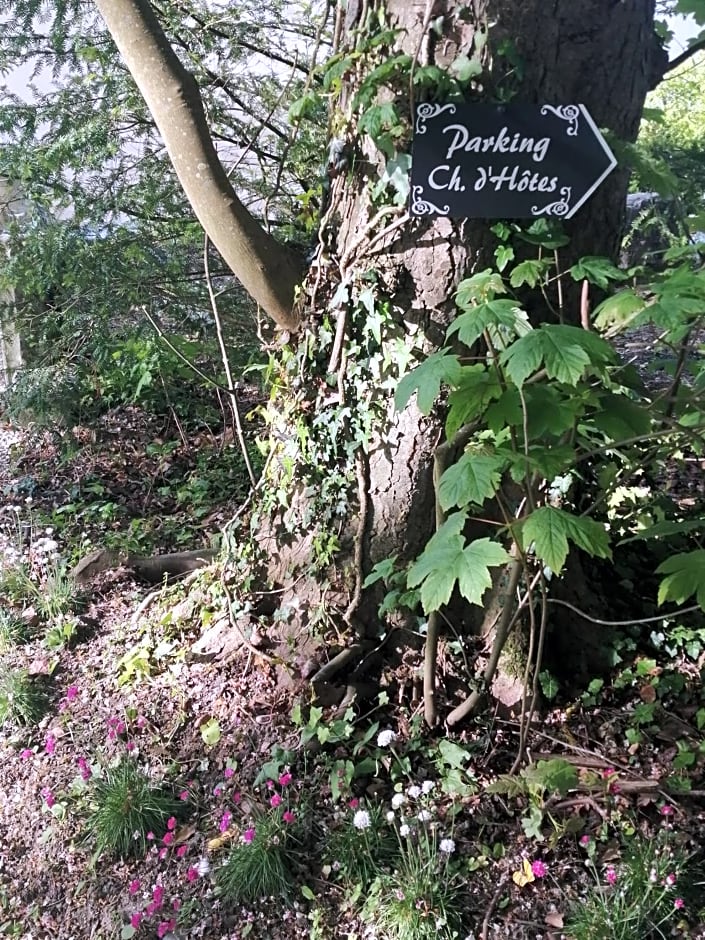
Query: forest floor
<point>128,679</point>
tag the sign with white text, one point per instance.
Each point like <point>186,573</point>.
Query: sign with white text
<point>512,161</point>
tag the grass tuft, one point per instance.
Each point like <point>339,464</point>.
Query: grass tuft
<point>22,699</point>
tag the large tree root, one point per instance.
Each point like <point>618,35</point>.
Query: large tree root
<point>152,569</point>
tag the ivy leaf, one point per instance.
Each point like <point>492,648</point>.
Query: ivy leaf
<point>426,380</point>
<point>382,571</point>
<point>474,577</point>
<point>473,478</point>
<point>494,313</point>
<point>599,271</point>
<point>685,575</point>
<point>464,68</point>
<point>550,529</point>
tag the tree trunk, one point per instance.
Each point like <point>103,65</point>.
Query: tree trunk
<point>268,271</point>
<point>11,361</point>
<point>598,53</point>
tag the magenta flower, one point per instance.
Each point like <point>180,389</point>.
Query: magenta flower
<point>26,753</point>
<point>86,771</point>
<point>71,692</point>
<point>50,744</point>
<point>285,779</point>
<point>225,820</point>
<point>270,784</point>
<point>162,854</point>
<point>176,904</point>
<point>150,837</point>
<point>275,800</point>
<point>585,840</point>
<point>134,886</point>
<point>217,790</point>
<point>168,838</point>
<point>228,772</point>
<point>679,903</point>
<point>183,795</point>
<point>248,835</point>
<point>353,803</point>
<point>669,880</point>
<point>165,926</point>
<point>141,721</point>
<point>666,810</point>
<point>171,822</point>
<point>539,869</point>
<point>136,919</point>
<point>608,772</point>
<point>158,895</point>
<point>288,816</point>
<point>237,796</point>
<point>181,851</point>
<point>611,876</point>
<point>49,797</point>
<point>191,874</point>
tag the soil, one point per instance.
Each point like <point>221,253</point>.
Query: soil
<point>205,720</point>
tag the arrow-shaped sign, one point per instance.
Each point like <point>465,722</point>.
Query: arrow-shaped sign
<point>506,161</point>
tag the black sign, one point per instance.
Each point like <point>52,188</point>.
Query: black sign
<point>511,161</point>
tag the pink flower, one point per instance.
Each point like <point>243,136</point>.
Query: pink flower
<point>585,840</point>
<point>141,721</point>
<point>539,869</point>
<point>86,772</point>
<point>228,772</point>
<point>225,820</point>
<point>237,796</point>
<point>71,692</point>
<point>158,895</point>
<point>168,838</point>
<point>163,853</point>
<point>50,744</point>
<point>611,876</point>
<point>165,926</point>
<point>669,880</point>
<point>217,790</point>
<point>130,745</point>
<point>49,798</point>
<point>191,874</point>
<point>288,816</point>
<point>666,810</point>
<point>136,919</point>
<point>181,851</point>
<point>275,800</point>
<point>608,772</point>
<point>175,904</point>
<point>285,779</point>
<point>134,886</point>
<point>171,822</point>
<point>270,784</point>
<point>183,795</point>
<point>353,803</point>
<point>150,837</point>
<point>26,753</point>
<point>679,903</point>
<point>248,835</point>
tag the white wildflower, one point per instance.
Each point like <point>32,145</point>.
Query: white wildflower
<point>385,738</point>
<point>404,830</point>
<point>390,816</point>
<point>413,791</point>
<point>424,816</point>
<point>361,819</point>
<point>398,800</point>
<point>427,786</point>
<point>447,846</point>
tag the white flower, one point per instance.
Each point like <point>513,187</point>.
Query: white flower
<point>447,846</point>
<point>404,830</point>
<point>390,816</point>
<point>361,819</point>
<point>398,800</point>
<point>427,786</point>
<point>424,816</point>
<point>203,867</point>
<point>385,738</point>
<point>414,792</point>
